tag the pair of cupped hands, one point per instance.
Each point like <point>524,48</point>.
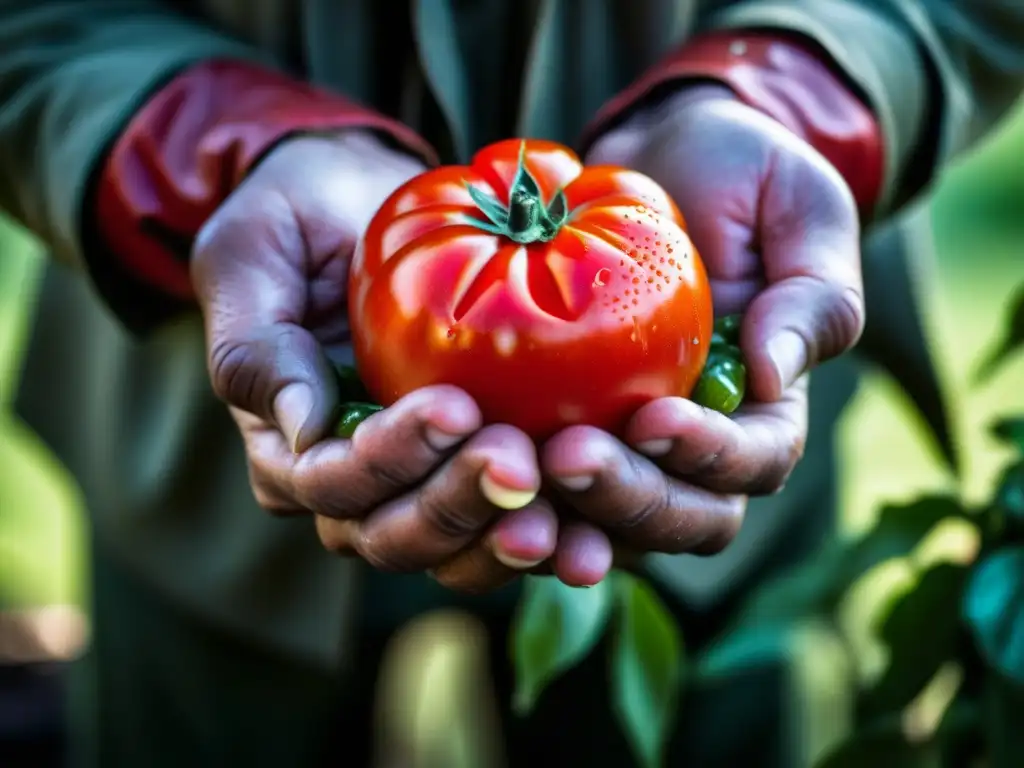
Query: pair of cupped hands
<point>423,485</point>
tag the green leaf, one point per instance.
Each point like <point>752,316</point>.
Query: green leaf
<point>727,330</point>
<point>1010,499</point>
<point>1011,342</point>
<point>882,745</point>
<point>490,206</point>
<point>811,588</point>
<point>1003,714</point>
<point>895,338</point>
<point>646,666</point>
<point>959,728</point>
<point>993,608</point>
<point>901,527</point>
<point>921,631</point>
<point>815,587</point>
<point>555,628</point>
<point>1010,431</point>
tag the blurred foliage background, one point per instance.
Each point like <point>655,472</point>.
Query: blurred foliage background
<point>978,222</point>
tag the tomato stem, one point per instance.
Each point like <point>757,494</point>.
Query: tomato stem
<point>526,219</point>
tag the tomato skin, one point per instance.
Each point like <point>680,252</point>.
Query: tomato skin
<point>613,312</point>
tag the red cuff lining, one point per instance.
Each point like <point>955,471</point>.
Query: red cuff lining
<point>788,79</point>
<point>192,143</point>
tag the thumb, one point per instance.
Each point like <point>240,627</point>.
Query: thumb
<point>812,309</point>
<point>250,281</point>
<point>277,371</point>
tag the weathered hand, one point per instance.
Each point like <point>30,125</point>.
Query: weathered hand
<point>419,486</point>
<point>778,231</point>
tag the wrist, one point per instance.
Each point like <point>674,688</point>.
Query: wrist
<point>366,147</point>
<point>686,93</point>
<point>369,148</point>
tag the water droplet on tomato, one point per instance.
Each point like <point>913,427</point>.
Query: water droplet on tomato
<point>638,334</point>
<point>505,341</point>
<point>601,278</point>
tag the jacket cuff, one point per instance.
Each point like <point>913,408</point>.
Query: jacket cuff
<point>190,145</point>
<point>787,78</point>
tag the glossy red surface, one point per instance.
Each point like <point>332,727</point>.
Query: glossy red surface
<point>611,313</point>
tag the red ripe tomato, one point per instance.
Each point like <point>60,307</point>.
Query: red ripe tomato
<point>552,293</point>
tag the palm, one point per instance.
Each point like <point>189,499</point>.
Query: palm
<point>695,158</point>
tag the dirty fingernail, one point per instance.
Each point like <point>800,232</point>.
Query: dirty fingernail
<point>502,497</point>
<point>788,354</point>
<point>655,447</point>
<point>515,563</point>
<point>441,441</point>
<point>578,483</point>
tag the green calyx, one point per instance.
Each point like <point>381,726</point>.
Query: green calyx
<point>526,219</point>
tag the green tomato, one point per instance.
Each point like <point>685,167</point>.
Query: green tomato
<point>722,385</point>
<point>352,415</point>
<point>350,386</point>
<point>727,331</point>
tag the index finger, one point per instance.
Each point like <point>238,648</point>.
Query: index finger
<point>391,452</point>
<point>751,453</point>
<point>632,499</point>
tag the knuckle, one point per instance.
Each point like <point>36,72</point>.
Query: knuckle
<point>775,473</point>
<point>232,372</point>
<point>391,474</point>
<point>818,187</point>
<point>769,481</point>
<point>640,514</point>
<point>271,503</point>
<point>205,247</point>
<point>841,316</point>
<point>266,499</point>
<point>714,463</point>
<point>463,576</point>
<point>726,526</point>
<point>336,536</point>
<point>795,451</point>
<point>333,506</point>
<point>835,320</point>
<point>648,503</point>
<point>384,558</point>
<point>848,319</point>
<point>450,520</point>
<point>211,234</point>
<point>320,492</point>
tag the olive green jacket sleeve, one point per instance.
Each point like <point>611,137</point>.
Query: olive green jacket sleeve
<point>71,75</point>
<point>938,73</point>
